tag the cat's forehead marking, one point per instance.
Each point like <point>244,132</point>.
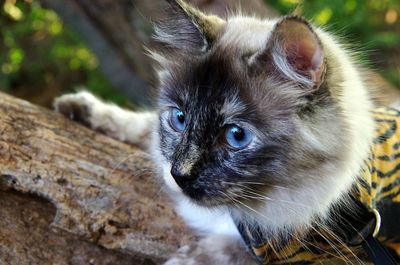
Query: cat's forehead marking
<point>213,89</point>
<point>191,158</point>
<point>232,107</point>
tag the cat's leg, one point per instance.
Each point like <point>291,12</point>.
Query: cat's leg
<point>123,125</point>
<point>216,249</point>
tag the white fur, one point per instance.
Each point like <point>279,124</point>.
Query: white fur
<point>217,249</point>
<point>205,220</point>
<point>121,124</point>
<point>292,208</point>
<point>131,126</point>
<point>298,206</point>
<point>202,219</point>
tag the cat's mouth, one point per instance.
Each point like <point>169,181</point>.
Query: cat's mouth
<point>199,191</point>
<point>196,191</point>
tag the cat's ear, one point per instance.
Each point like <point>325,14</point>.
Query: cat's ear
<point>296,52</point>
<point>187,28</point>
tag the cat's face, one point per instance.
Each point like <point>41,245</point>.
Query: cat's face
<point>243,108</point>
<point>220,139</point>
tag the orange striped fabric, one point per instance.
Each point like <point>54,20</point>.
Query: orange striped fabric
<point>378,188</point>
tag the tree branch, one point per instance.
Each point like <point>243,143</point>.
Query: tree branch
<point>102,191</point>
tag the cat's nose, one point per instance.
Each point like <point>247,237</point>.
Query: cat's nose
<point>181,179</point>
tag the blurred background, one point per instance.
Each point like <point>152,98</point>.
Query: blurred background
<point>50,47</point>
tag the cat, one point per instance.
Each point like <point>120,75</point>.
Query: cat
<point>262,122</point>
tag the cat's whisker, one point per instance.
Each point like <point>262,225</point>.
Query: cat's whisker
<point>332,244</point>
<point>280,145</point>
<point>265,198</point>
<point>250,208</point>
<point>339,254</point>
<point>252,183</point>
<point>334,247</point>
<point>338,239</point>
<point>125,158</point>
<point>292,235</point>
<point>230,198</point>
<point>238,204</point>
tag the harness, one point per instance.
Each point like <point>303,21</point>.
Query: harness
<point>367,228</point>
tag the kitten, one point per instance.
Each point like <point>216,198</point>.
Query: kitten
<point>262,121</point>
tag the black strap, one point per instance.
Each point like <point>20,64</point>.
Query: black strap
<point>358,229</point>
<point>355,227</point>
<point>377,252</point>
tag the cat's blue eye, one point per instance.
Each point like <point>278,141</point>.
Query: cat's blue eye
<point>238,137</point>
<point>177,119</point>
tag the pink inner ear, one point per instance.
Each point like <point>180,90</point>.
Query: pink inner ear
<point>303,50</point>
<point>304,54</point>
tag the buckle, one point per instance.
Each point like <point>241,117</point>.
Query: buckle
<point>378,222</point>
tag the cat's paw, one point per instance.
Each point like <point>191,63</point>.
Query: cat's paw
<point>77,107</point>
<point>183,256</point>
<point>217,249</point>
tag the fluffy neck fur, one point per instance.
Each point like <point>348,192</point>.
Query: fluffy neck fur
<point>299,206</point>
<point>317,188</point>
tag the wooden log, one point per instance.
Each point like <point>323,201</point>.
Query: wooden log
<point>90,192</point>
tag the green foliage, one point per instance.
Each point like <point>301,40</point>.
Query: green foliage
<point>38,50</point>
<point>370,26</point>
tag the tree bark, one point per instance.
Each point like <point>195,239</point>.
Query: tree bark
<point>67,192</point>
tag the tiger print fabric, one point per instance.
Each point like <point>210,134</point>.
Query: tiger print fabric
<point>378,188</point>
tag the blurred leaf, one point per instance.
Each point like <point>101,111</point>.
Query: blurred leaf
<point>386,39</point>
<point>16,55</point>
<point>323,16</point>
<point>12,11</point>
<point>350,6</point>
<point>38,50</point>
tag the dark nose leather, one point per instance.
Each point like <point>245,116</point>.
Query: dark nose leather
<point>181,179</point>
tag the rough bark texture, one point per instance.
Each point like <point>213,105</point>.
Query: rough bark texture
<point>27,237</point>
<point>68,193</point>
<point>71,196</point>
